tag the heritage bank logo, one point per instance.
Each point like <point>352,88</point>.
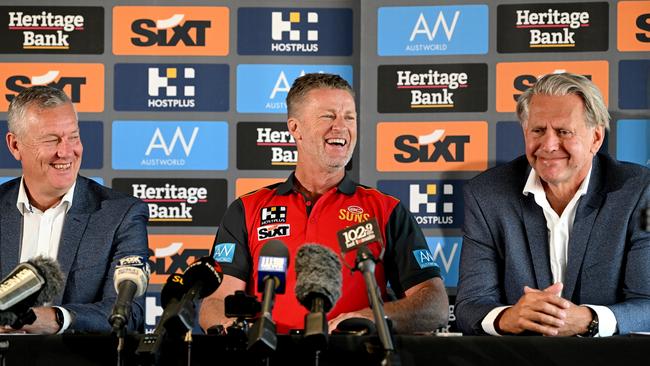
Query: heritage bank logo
<point>171,87</point>
<point>83,83</point>
<point>265,145</point>
<point>264,88</point>
<point>432,88</point>
<point>171,31</point>
<point>170,145</point>
<point>633,26</point>
<point>432,30</point>
<point>432,146</point>
<point>566,27</point>
<point>179,202</point>
<point>513,78</point>
<point>304,32</point>
<point>56,29</point>
<point>433,203</point>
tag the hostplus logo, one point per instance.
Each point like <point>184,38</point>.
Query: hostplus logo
<point>545,36</point>
<point>436,210</point>
<point>273,215</point>
<point>440,82</point>
<point>285,29</point>
<point>174,83</point>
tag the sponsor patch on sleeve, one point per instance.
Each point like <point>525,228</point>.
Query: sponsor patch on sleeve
<point>224,252</point>
<point>424,258</point>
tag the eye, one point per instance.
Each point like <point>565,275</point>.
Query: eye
<point>537,131</point>
<point>565,133</point>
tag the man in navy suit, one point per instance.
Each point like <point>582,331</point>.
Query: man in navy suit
<point>54,212</point>
<point>553,242</point>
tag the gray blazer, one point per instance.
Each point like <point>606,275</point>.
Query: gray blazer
<point>505,244</point>
<point>101,227</point>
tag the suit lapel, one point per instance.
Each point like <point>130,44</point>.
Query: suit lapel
<point>537,235</point>
<point>10,232</point>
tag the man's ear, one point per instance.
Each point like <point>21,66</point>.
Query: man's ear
<point>292,125</point>
<point>12,144</point>
<point>599,137</point>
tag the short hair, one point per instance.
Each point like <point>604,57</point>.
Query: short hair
<point>40,96</point>
<point>596,113</point>
<point>304,84</point>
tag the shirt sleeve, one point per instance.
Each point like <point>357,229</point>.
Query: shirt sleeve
<point>408,260</point>
<point>230,247</point>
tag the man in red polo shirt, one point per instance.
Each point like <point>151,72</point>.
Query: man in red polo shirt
<point>311,206</point>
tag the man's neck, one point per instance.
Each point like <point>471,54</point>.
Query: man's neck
<point>314,183</point>
<point>559,195</point>
<point>41,202</point>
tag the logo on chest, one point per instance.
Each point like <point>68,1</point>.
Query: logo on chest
<point>273,231</point>
<point>353,214</point>
<point>273,215</point>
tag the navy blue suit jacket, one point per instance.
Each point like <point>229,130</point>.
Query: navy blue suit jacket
<point>101,227</point>
<point>505,244</point>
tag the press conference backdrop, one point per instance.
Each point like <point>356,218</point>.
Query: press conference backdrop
<point>182,103</point>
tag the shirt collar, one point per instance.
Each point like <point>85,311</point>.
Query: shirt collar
<point>24,205</point>
<point>534,185</point>
<point>346,185</point>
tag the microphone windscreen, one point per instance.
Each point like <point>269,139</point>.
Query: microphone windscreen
<point>207,271</point>
<point>133,268</point>
<point>174,288</point>
<point>51,272</point>
<point>318,272</point>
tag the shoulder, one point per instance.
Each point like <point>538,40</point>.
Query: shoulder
<point>503,178</point>
<point>90,192</point>
<point>9,187</point>
<point>621,174</point>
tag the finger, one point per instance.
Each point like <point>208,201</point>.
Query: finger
<point>555,288</point>
<point>530,290</point>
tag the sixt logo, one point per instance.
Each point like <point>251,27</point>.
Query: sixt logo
<point>273,215</point>
<point>164,82</point>
<point>177,255</point>
<point>450,148</point>
<point>282,29</point>
<point>170,32</point>
<point>53,78</point>
<point>273,231</point>
<point>524,82</point>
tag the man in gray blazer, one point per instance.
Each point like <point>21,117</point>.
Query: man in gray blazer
<point>553,242</point>
<point>54,212</point>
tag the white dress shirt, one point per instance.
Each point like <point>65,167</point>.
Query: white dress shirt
<point>559,230</point>
<point>41,232</point>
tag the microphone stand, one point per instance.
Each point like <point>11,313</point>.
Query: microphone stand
<point>365,262</point>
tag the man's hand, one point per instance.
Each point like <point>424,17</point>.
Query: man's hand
<point>45,323</point>
<point>364,313</point>
<point>543,312</point>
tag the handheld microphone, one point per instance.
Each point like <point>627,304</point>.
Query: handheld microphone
<point>33,283</point>
<point>318,288</point>
<point>130,278</point>
<point>271,279</point>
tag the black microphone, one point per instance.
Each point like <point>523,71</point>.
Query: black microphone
<point>271,279</point>
<point>33,283</point>
<point>130,278</point>
<point>318,288</point>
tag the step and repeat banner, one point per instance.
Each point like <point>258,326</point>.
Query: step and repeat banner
<point>183,104</point>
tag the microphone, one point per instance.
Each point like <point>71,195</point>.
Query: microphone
<point>271,279</point>
<point>358,237</point>
<point>130,278</point>
<point>318,288</point>
<point>32,283</point>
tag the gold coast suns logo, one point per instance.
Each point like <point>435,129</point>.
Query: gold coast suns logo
<point>353,214</point>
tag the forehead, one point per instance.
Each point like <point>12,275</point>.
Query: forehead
<point>559,109</point>
<point>329,98</point>
<point>51,119</point>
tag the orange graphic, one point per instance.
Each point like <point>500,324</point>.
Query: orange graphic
<point>246,185</point>
<point>171,30</point>
<point>513,78</point>
<point>432,146</point>
<point>83,83</point>
<point>633,26</point>
<point>173,253</point>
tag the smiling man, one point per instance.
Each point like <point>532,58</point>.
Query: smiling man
<point>51,211</point>
<point>311,206</point>
<point>553,242</point>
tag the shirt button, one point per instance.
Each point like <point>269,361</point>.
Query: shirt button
<point>308,203</point>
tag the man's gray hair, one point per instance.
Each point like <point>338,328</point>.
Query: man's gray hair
<point>39,96</point>
<point>308,82</point>
<point>596,113</point>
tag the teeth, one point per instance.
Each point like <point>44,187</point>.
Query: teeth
<point>336,141</point>
<point>62,166</point>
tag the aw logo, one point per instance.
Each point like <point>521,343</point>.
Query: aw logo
<point>170,145</point>
<point>446,254</point>
<point>432,146</point>
<point>224,252</point>
<point>92,138</point>
<point>513,78</point>
<point>171,31</point>
<point>633,33</point>
<point>633,141</point>
<point>169,254</point>
<point>264,88</point>
<point>432,30</point>
<point>634,84</point>
<point>306,32</point>
<point>171,87</point>
<point>83,83</point>
<point>433,203</point>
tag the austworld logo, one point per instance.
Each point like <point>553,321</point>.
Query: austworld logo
<point>446,254</point>
<point>56,29</point>
<point>432,88</point>
<point>265,145</point>
<point>171,87</point>
<point>560,27</point>
<point>170,145</point>
<point>300,31</point>
<point>264,88</point>
<point>432,30</point>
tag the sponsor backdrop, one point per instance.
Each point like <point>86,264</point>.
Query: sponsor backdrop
<point>184,106</point>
